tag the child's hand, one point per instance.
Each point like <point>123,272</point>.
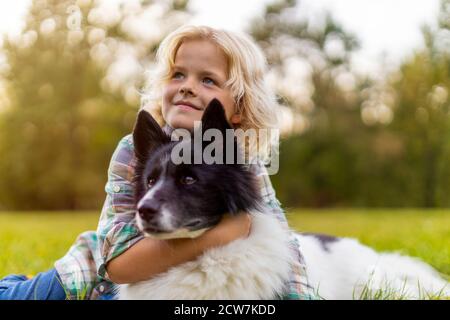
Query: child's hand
<point>230,228</point>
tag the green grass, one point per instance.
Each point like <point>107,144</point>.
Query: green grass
<point>31,242</point>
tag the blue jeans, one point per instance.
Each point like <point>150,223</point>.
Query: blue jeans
<point>44,286</point>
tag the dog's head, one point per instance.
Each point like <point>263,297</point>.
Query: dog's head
<point>182,200</point>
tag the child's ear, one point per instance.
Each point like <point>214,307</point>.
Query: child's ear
<point>236,119</point>
<point>147,135</point>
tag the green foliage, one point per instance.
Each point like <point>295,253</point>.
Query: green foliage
<point>384,143</point>
<point>317,162</point>
<point>354,141</point>
<point>68,110</point>
<point>314,171</point>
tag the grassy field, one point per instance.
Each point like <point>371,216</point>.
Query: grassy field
<point>31,242</point>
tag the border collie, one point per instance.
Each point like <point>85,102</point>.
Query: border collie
<point>186,199</point>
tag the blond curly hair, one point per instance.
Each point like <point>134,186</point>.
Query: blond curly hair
<point>254,99</point>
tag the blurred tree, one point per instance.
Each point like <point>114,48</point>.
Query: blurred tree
<point>309,58</point>
<point>422,117</point>
<point>397,155</point>
<point>72,79</point>
<point>69,91</point>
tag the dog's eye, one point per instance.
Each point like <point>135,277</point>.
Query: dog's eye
<point>188,180</point>
<point>151,182</point>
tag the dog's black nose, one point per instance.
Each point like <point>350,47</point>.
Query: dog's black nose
<point>147,213</point>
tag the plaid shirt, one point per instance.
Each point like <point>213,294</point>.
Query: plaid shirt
<point>83,268</point>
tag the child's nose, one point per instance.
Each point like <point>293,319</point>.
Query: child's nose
<point>187,88</point>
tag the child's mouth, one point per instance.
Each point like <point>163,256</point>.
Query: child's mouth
<point>186,107</point>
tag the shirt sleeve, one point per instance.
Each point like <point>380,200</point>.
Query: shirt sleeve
<point>117,229</point>
<point>298,287</point>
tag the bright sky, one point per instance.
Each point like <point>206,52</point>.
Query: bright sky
<point>390,27</point>
<point>383,26</point>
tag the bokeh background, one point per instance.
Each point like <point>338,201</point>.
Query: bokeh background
<point>360,131</point>
<point>71,79</point>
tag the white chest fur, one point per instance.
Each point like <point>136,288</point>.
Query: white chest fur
<point>253,268</point>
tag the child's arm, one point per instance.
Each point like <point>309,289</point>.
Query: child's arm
<point>150,257</point>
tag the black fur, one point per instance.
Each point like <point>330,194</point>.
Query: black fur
<point>324,239</point>
<point>219,188</point>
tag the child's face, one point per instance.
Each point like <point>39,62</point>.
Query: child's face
<point>199,75</point>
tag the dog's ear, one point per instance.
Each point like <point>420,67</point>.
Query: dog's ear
<point>214,117</point>
<point>147,135</point>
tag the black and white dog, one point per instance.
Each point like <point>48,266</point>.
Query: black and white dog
<point>184,200</point>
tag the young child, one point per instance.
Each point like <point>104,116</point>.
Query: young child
<point>194,65</point>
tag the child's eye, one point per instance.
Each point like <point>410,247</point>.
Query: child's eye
<point>177,75</point>
<point>209,81</point>
<point>187,180</point>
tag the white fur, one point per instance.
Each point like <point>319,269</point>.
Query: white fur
<point>258,267</point>
<point>165,219</point>
<point>253,268</point>
<point>346,268</point>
